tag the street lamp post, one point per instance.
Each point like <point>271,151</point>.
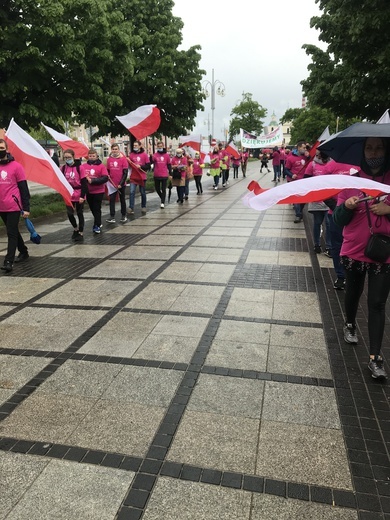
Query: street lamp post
<point>220,91</point>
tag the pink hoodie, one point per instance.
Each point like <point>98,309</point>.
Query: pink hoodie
<point>356,234</point>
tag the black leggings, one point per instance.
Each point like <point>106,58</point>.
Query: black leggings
<point>95,205</point>
<point>378,291</point>
<point>122,199</point>
<point>79,208</point>
<point>15,240</point>
<point>198,183</point>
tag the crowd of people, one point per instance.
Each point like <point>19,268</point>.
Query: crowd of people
<point>347,222</point>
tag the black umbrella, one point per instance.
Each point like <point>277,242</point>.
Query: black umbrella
<point>348,145</point>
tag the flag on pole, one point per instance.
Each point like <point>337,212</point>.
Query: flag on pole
<point>142,122</point>
<point>105,141</point>
<point>39,167</point>
<point>385,118</point>
<point>65,142</point>
<point>325,135</point>
<point>194,141</point>
<point>232,149</point>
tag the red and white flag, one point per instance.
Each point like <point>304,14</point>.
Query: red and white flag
<point>232,149</point>
<point>312,189</point>
<point>194,141</point>
<point>385,118</point>
<point>142,122</point>
<point>65,142</point>
<point>39,167</point>
<point>213,142</point>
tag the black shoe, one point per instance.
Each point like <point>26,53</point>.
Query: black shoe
<point>328,252</point>
<point>74,234</point>
<point>7,267</point>
<point>79,237</point>
<point>317,249</point>
<point>298,220</point>
<point>376,367</point>
<point>22,257</point>
<point>186,198</point>
<point>339,284</point>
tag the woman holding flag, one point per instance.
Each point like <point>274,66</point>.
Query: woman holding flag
<point>96,174</point>
<point>140,164</point>
<point>117,168</point>
<point>13,184</point>
<point>71,171</point>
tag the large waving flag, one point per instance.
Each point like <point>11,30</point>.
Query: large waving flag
<point>312,189</point>
<point>194,141</point>
<point>142,122</point>
<point>36,162</point>
<point>232,149</point>
<point>65,142</point>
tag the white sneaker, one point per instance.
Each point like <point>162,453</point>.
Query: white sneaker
<point>130,211</point>
<point>162,205</point>
<point>143,211</point>
<point>215,187</point>
<point>124,219</point>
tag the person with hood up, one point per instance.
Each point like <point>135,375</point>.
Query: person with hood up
<point>97,175</point>
<point>161,170</point>
<point>13,183</point>
<point>139,166</point>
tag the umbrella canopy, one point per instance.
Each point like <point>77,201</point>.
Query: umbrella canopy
<point>347,146</point>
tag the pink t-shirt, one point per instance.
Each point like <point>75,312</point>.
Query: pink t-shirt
<point>74,179</point>
<point>140,159</point>
<point>180,161</point>
<point>115,167</point>
<point>196,167</point>
<point>296,165</point>
<point>357,233</point>
<point>161,161</point>
<point>10,174</point>
<point>94,171</point>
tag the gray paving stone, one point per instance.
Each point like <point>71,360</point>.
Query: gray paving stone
<point>213,241</point>
<point>16,371</point>
<point>121,427</point>
<point>310,454</point>
<point>298,337</point>
<point>86,251</point>
<point>123,269</point>
<point>267,507</point>
<point>108,342</point>
<point>185,326</point>
<point>46,418</point>
<point>293,306</point>
<point>299,361</point>
<point>21,289</point>
<point>215,441</point>
<point>81,378</point>
<point>71,491</point>
<point>227,396</point>
<point>167,348</point>
<point>147,252</point>
<point>157,296</point>
<point>238,354</point>
<point>144,385</point>
<point>176,499</point>
<point>243,332</point>
<point>164,240</point>
<point>18,472</point>
<point>300,404</point>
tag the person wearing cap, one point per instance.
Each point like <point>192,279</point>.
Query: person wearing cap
<point>178,173</point>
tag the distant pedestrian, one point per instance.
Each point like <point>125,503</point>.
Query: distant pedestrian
<point>179,172</point>
<point>236,161</point>
<point>264,162</point>
<point>215,169</point>
<point>197,170</point>
<point>276,164</point>
<point>244,161</point>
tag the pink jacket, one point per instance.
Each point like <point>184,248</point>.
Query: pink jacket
<point>356,234</point>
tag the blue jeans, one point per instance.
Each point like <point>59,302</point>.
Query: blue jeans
<point>142,190</point>
<point>187,188</point>
<point>276,172</point>
<point>298,208</point>
<point>318,218</point>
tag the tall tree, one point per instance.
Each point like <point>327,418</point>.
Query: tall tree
<point>248,114</point>
<point>57,60</point>
<point>163,74</point>
<point>351,77</point>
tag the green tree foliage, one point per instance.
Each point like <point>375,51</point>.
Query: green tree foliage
<point>57,60</point>
<point>163,75</point>
<point>310,123</point>
<point>290,115</point>
<point>351,78</point>
<point>247,115</point>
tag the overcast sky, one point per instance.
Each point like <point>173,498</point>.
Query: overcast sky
<point>253,46</point>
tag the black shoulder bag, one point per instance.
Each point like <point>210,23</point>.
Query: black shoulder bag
<point>378,245</point>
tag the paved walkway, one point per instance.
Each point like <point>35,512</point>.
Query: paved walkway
<point>187,365</point>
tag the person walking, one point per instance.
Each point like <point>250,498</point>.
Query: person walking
<point>140,164</point>
<point>72,173</point>
<point>356,217</point>
<point>236,161</point>
<point>276,164</point>
<point>244,161</point>
<point>215,163</point>
<point>161,170</point>
<point>264,162</point>
<point>197,171</point>
<point>96,174</point>
<point>117,168</point>
<point>282,153</point>
<point>179,172</point>
<point>294,168</point>
<point>13,185</point>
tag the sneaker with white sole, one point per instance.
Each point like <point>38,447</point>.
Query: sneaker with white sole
<point>339,284</point>
<point>143,211</point>
<point>162,205</point>
<point>96,229</point>
<point>350,334</point>
<point>110,221</point>
<point>130,211</point>
<point>123,219</point>
<point>376,367</point>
